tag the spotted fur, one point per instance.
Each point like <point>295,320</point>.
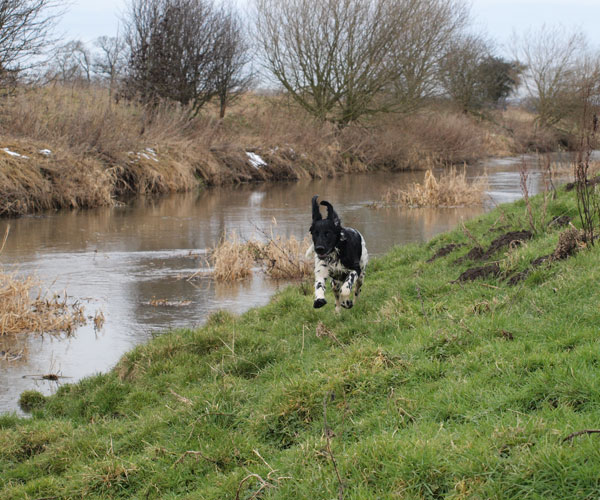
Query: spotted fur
<point>340,255</point>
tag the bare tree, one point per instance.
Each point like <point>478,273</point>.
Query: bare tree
<point>332,56</point>
<point>25,30</point>
<point>173,47</point>
<point>232,75</point>
<point>550,56</point>
<point>72,64</point>
<point>110,61</point>
<point>461,71</point>
<point>428,27</point>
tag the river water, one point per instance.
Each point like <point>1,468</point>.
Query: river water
<point>131,262</point>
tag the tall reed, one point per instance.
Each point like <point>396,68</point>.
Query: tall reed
<point>451,189</point>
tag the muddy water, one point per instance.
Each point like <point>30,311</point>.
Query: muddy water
<point>131,262</point>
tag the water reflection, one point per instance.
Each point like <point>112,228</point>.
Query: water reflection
<point>125,260</point>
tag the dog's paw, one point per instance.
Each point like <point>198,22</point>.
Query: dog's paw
<point>319,303</point>
<point>347,304</point>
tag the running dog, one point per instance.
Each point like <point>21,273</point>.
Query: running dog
<point>340,254</point>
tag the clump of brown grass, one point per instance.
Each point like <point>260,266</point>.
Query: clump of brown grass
<point>279,258</point>
<point>21,313</point>
<point>231,259</point>
<point>450,190</point>
<point>284,258</point>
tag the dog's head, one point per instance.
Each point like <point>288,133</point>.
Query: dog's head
<point>325,232</point>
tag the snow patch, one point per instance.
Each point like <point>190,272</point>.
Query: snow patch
<point>12,153</point>
<point>45,152</point>
<point>148,154</point>
<point>255,160</point>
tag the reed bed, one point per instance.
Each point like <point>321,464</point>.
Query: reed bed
<point>278,257</point>
<point>284,258</point>
<point>451,189</point>
<point>22,311</point>
<point>231,259</point>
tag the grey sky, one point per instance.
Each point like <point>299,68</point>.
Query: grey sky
<point>89,19</point>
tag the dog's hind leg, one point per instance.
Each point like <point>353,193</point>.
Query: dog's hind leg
<point>359,283</point>
<point>321,275</point>
<point>347,290</point>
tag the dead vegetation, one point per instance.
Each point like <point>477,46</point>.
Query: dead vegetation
<point>231,259</point>
<point>280,258</point>
<point>77,147</point>
<point>451,189</point>
<point>24,307</point>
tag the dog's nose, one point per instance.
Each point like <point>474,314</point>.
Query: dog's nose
<point>320,249</point>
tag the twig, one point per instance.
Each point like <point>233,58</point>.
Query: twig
<point>5,237</point>
<point>490,286</point>
<point>196,454</point>
<point>271,239</point>
<point>469,235</point>
<point>422,303</point>
<point>263,484</point>
<point>181,398</point>
<point>579,433</point>
<point>328,437</point>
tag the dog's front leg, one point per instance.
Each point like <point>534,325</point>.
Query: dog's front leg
<point>321,275</point>
<point>347,290</point>
<point>336,286</point>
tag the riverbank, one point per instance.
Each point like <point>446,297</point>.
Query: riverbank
<point>432,386</point>
<point>78,148</point>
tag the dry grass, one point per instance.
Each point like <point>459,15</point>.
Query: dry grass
<point>279,258</point>
<point>450,190</point>
<point>22,311</point>
<point>231,259</point>
<point>100,147</point>
<point>284,258</point>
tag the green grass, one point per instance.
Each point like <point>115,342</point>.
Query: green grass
<point>431,389</point>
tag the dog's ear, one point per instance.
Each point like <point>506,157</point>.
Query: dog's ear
<point>331,215</point>
<point>316,214</point>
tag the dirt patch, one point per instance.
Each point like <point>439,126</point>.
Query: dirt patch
<point>512,237</point>
<point>474,254</point>
<point>479,272</point>
<point>442,252</point>
<point>569,242</point>
<point>560,221</point>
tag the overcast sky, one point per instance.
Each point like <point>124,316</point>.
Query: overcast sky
<point>89,19</point>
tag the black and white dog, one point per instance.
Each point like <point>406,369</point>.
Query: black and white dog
<point>340,254</point>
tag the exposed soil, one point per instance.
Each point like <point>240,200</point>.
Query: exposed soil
<point>560,221</point>
<point>474,254</point>
<point>479,272</point>
<point>569,242</point>
<point>512,237</point>
<point>442,252</point>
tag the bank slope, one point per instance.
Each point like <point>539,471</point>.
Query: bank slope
<point>428,388</point>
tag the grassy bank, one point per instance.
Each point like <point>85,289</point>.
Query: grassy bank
<point>430,387</point>
<point>76,147</point>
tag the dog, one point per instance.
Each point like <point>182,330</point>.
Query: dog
<point>340,254</point>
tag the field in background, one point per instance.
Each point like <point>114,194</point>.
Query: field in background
<point>71,147</point>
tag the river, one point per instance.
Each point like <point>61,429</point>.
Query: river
<point>131,262</point>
